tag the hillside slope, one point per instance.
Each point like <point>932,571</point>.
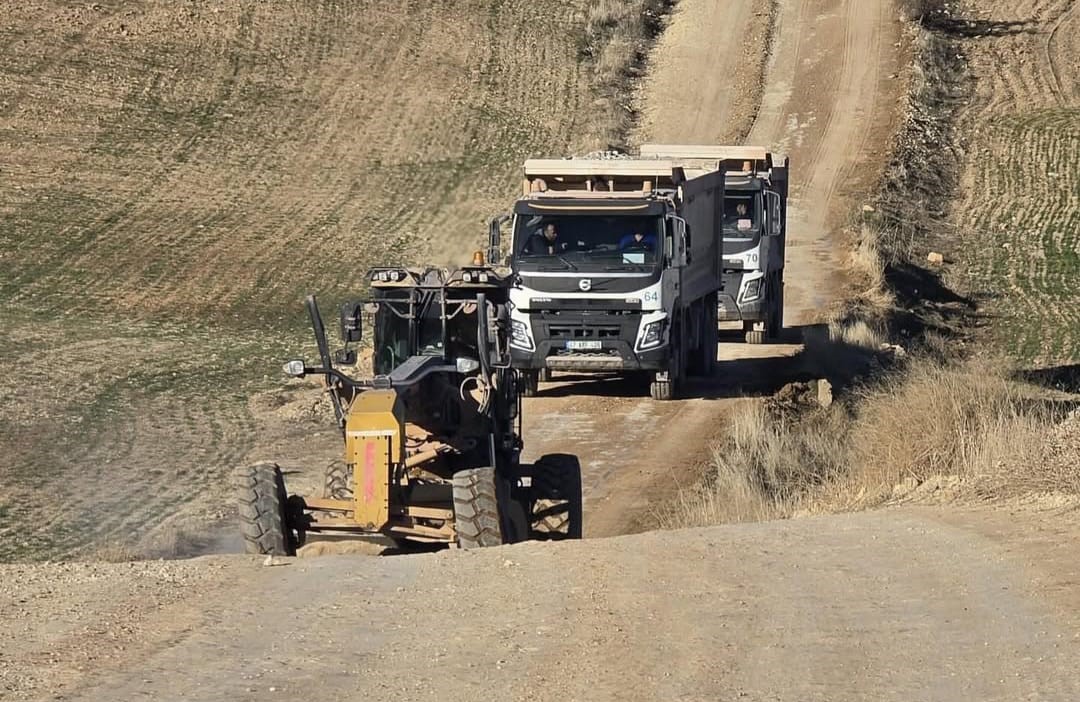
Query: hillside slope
<point>199,161</point>
<point>176,176</point>
<point>1019,200</point>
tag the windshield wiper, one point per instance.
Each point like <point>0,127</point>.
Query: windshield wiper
<point>569,265</point>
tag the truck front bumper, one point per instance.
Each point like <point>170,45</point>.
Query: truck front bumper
<point>613,357</point>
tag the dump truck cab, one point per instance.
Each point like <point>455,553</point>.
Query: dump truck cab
<point>755,231</point>
<point>617,260</point>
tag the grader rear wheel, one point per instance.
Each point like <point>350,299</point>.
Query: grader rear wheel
<point>264,511</point>
<point>556,504</point>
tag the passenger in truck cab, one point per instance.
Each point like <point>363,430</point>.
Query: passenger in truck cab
<point>637,242</point>
<point>545,241</point>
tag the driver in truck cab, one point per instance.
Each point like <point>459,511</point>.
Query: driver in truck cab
<point>545,241</point>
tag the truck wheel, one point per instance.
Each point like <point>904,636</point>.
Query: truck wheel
<point>264,511</point>
<point>556,491</point>
<point>662,390</point>
<point>755,337</point>
<point>776,324</point>
<point>476,508</point>
<point>530,382</point>
<point>711,336</point>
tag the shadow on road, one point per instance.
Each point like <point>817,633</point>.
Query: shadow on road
<point>742,371</point>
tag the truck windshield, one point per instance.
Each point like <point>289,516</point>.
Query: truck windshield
<point>742,214</point>
<point>608,241</point>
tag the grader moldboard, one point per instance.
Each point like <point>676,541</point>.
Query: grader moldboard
<point>433,440</point>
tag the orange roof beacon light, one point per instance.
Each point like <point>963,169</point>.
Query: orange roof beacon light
<point>478,258</point>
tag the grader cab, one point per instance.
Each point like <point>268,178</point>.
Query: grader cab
<point>433,440</point>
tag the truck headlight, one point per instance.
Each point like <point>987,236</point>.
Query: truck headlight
<point>653,335</point>
<point>519,335</point>
<point>752,290</point>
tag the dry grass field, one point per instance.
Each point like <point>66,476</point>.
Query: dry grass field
<point>177,176</point>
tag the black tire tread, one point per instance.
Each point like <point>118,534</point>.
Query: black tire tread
<point>556,482</point>
<point>261,499</point>
<point>476,508</point>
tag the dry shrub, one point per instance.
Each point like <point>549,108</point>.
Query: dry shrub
<point>866,270</point>
<point>969,421</point>
<point>770,461</point>
<point>115,553</point>
<point>842,350</point>
<point>615,42</point>
<point>917,10</point>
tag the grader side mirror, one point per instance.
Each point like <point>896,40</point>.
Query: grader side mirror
<point>352,322</point>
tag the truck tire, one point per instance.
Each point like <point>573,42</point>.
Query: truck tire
<point>711,333</point>
<point>556,492</point>
<point>264,511</point>
<point>530,383</point>
<point>776,324</point>
<point>661,390</point>
<point>476,508</point>
<point>755,336</point>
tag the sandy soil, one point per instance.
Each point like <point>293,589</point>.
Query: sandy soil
<point>898,604</point>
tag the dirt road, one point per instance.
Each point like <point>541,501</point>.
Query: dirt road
<point>824,97</point>
<point>898,604</point>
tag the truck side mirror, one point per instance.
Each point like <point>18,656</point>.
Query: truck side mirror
<point>352,322</point>
<point>680,242</point>
<point>494,252</point>
<point>776,224</point>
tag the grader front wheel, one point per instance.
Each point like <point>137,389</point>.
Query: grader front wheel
<point>264,511</point>
<point>476,508</point>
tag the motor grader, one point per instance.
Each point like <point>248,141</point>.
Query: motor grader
<point>433,439</point>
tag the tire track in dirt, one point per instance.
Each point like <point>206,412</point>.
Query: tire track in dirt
<point>1051,59</point>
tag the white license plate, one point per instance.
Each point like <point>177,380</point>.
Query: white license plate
<point>584,345</point>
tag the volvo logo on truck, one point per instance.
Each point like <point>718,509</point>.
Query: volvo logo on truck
<point>584,285</point>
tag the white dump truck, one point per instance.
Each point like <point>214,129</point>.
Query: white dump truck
<point>755,231</point>
<point>618,262</point>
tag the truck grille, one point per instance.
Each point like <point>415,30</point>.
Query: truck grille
<point>591,332</point>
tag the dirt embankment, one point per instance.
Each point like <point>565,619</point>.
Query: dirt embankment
<point>917,604</point>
